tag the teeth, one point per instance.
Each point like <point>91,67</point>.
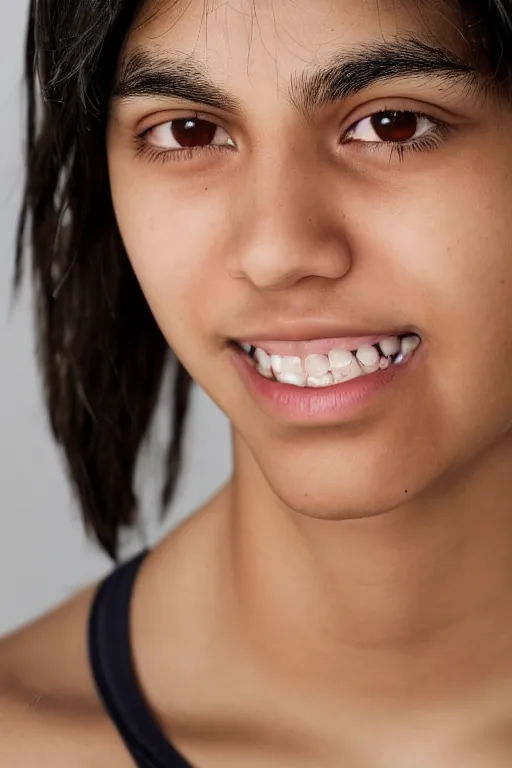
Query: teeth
<point>277,363</point>
<point>290,378</point>
<point>409,344</point>
<point>369,359</point>
<point>263,364</point>
<point>390,347</point>
<point>292,366</point>
<point>340,359</point>
<point>263,360</point>
<point>338,366</point>
<point>264,371</point>
<point>317,365</point>
<point>321,381</point>
<point>246,347</point>
<point>349,372</point>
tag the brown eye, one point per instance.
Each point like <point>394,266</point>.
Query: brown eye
<point>392,127</point>
<point>395,126</point>
<point>187,133</point>
<point>193,132</point>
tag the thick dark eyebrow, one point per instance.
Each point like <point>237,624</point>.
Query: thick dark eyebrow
<point>345,76</point>
<point>144,73</point>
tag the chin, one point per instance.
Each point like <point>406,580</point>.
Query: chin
<point>335,502</point>
<point>346,484</point>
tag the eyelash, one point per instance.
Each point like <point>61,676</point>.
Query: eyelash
<point>165,155</point>
<point>426,143</point>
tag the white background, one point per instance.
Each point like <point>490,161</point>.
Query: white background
<point>44,553</point>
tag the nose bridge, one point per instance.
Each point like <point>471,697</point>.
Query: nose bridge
<point>287,229</point>
<point>283,199</point>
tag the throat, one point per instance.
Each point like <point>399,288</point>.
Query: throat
<point>362,609</point>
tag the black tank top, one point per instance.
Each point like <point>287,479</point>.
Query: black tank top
<point>114,674</point>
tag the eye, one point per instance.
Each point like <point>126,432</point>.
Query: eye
<point>391,127</point>
<point>187,133</point>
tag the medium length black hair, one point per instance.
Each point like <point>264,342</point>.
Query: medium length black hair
<point>102,356</point>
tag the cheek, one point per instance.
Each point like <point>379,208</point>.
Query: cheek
<point>172,242</point>
<point>453,244</point>
<point>460,264</point>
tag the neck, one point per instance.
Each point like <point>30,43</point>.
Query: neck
<point>418,594</point>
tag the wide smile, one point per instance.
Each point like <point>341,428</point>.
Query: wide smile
<point>322,386</point>
<point>337,366</point>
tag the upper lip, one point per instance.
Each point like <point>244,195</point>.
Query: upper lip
<point>308,331</point>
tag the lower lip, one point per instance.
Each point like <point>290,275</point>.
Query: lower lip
<point>339,402</point>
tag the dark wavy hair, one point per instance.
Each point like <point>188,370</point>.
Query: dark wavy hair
<point>102,356</point>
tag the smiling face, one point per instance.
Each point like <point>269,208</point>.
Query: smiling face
<point>266,179</point>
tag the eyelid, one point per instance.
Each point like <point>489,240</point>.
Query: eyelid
<point>362,111</point>
<point>150,122</point>
<point>419,115</point>
<point>143,139</point>
<point>396,104</point>
<point>440,128</point>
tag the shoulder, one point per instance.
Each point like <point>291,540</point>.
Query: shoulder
<point>48,705</point>
<point>49,656</point>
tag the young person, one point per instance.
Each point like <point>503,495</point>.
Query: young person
<point>310,205</point>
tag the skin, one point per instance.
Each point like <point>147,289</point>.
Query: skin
<point>370,596</point>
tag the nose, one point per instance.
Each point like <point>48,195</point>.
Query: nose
<point>288,227</point>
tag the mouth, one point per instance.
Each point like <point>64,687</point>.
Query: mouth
<point>336,366</point>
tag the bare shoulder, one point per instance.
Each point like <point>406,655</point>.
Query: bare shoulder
<point>50,714</point>
<point>50,653</point>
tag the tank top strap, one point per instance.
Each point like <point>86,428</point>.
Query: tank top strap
<point>112,667</point>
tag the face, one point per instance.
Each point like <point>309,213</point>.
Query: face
<point>252,210</point>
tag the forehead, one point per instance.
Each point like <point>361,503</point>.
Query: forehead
<point>238,39</point>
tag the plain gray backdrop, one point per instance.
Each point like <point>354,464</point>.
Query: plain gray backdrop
<point>44,554</point>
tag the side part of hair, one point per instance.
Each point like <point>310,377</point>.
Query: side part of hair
<point>101,353</point>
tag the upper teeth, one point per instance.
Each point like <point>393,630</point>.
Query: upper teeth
<point>339,365</point>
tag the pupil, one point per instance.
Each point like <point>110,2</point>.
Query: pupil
<point>395,126</point>
<point>193,132</point>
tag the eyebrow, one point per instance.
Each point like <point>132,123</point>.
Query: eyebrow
<point>345,75</point>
